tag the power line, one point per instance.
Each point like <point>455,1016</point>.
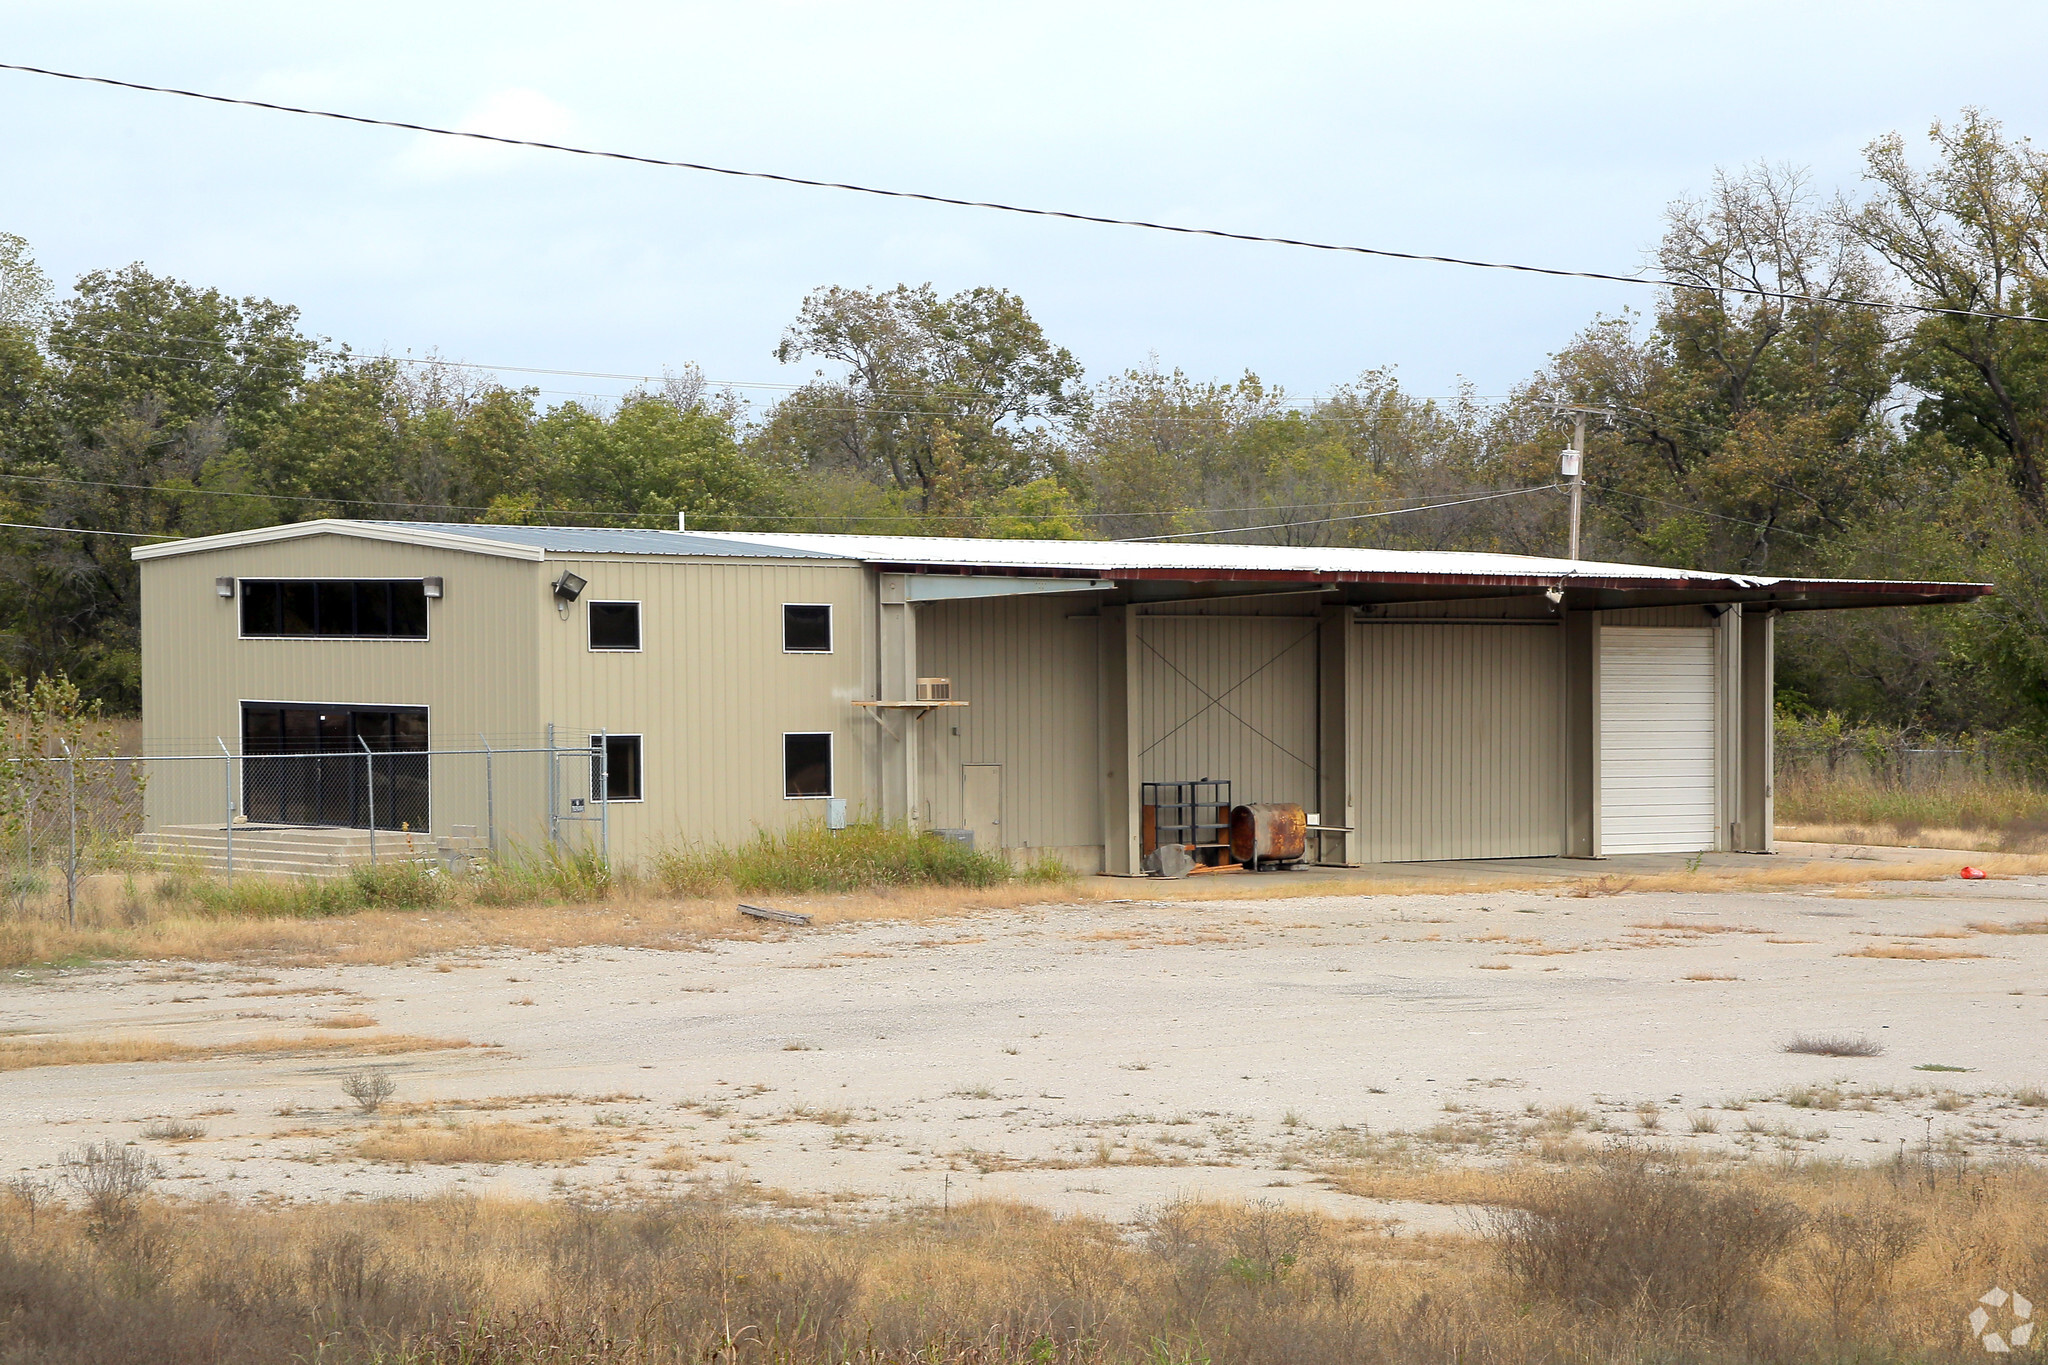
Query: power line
<point>58,481</point>
<point>1359,516</point>
<point>1660,282</point>
<point>1703,512</point>
<point>86,531</point>
<point>1287,404</point>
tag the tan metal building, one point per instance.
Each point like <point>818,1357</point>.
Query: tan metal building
<point>1423,705</point>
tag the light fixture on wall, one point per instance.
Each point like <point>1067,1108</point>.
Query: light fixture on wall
<point>223,587</point>
<point>432,587</point>
<point>568,588</point>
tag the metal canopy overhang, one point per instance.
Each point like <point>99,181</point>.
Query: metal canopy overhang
<point>1583,593</point>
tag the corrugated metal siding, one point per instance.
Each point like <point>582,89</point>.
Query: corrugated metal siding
<point>196,671</point>
<point>1229,697</point>
<point>712,693</point>
<point>1657,739</point>
<point>1455,751</point>
<point>1657,616</point>
<point>1028,676</point>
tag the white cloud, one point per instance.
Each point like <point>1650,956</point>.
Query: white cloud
<point>517,112</point>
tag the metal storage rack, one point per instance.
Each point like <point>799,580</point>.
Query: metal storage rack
<point>1195,815</point>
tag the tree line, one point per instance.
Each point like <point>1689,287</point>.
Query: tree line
<point>1763,419</point>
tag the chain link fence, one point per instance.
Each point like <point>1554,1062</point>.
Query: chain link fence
<point>224,811</point>
<point>1830,748</point>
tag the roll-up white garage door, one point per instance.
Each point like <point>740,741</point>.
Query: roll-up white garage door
<point>1656,739</point>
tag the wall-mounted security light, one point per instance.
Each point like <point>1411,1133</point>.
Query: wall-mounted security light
<point>432,585</point>
<point>223,587</point>
<point>568,588</point>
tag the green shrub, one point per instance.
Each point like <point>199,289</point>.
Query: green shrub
<point>401,886</point>
<point>814,858</point>
<point>553,875</point>
<point>252,897</point>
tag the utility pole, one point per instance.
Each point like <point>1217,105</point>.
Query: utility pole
<point>1573,467</point>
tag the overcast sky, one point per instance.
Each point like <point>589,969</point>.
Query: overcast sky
<point>1545,133</point>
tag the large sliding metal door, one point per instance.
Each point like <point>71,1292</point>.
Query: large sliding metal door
<point>1231,698</point>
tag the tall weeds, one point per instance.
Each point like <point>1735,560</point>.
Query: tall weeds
<point>1634,1258</point>
<point>814,858</point>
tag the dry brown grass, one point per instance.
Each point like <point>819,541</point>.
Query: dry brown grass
<point>1669,1261</point>
<point>1710,976</point>
<point>20,1054</point>
<point>346,1021</point>
<point>674,1158</point>
<point>1885,835</point>
<point>484,1144</point>
<point>1911,952</point>
<point>1821,872</point>
<point>120,917</point>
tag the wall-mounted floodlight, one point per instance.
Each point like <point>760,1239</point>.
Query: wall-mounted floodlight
<point>568,588</point>
<point>432,586</point>
<point>223,587</point>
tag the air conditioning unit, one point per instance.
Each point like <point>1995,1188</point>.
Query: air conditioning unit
<point>935,689</point>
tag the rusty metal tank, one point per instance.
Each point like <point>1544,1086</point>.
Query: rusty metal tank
<point>1268,833</point>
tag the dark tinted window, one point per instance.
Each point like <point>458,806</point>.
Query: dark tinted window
<point>409,610</point>
<point>807,765</point>
<point>806,629</point>
<point>259,608</point>
<point>621,771</point>
<point>372,608</point>
<point>615,625</point>
<point>297,608</point>
<point>337,608</point>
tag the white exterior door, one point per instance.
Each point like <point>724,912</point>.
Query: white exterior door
<point>981,804</point>
<point>1657,718</point>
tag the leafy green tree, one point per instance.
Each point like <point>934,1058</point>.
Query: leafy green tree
<point>945,399</point>
<point>128,340</point>
<point>1744,425</point>
<point>646,463</point>
<point>1971,233</point>
<point>24,288</point>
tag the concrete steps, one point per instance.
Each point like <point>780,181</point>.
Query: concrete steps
<point>290,850</point>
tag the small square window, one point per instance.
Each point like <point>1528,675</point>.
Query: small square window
<point>618,776</point>
<point>615,625</point>
<point>807,765</point>
<point>806,628</point>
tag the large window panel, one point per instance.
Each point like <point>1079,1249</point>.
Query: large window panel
<point>806,765</point>
<point>334,608</point>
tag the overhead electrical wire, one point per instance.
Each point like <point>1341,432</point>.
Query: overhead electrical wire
<point>1323,521</point>
<point>57,481</point>
<point>87,531</point>
<point>1289,405</point>
<point>1103,220</point>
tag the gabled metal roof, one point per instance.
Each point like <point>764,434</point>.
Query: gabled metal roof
<point>1363,575</point>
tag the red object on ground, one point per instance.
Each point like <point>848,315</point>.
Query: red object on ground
<point>1974,874</point>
